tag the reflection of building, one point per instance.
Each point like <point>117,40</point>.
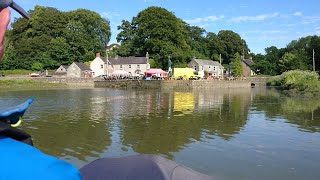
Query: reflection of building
<point>183,118</point>
<point>183,101</point>
<point>210,100</point>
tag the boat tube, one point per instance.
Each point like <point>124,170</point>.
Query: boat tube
<point>139,167</point>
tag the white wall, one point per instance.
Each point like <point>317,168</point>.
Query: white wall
<point>130,68</point>
<point>98,67</point>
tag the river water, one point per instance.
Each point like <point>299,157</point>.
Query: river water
<point>229,134</point>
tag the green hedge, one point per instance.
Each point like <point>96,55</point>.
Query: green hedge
<point>297,82</point>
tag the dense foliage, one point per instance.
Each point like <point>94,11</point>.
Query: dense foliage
<point>51,38</point>
<point>160,33</point>
<point>298,54</point>
<point>236,67</point>
<point>298,82</point>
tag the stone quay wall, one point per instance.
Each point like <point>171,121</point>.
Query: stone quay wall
<point>173,84</point>
<point>77,82</point>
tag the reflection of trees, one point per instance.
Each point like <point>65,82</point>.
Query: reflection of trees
<point>67,126</point>
<point>166,130</point>
<point>227,111</point>
<point>303,112</point>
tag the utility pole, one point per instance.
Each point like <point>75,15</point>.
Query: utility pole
<point>314,63</point>
<point>107,61</point>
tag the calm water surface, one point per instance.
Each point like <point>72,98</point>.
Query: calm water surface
<point>230,134</point>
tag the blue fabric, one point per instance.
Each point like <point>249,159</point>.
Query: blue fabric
<point>22,161</point>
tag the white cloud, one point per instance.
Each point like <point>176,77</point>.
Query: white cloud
<point>204,19</point>
<point>110,15</point>
<point>288,25</point>
<point>259,17</point>
<point>266,32</point>
<point>297,14</point>
<point>310,19</point>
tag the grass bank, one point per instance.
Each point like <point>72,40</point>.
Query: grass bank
<point>297,83</point>
<point>23,72</point>
<point>27,83</point>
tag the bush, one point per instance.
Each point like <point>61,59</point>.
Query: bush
<point>297,81</point>
<point>275,81</point>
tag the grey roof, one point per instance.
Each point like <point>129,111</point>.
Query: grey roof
<point>82,66</point>
<point>202,62</point>
<point>248,62</point>
<point>128,60</point>
<point>65,66</point>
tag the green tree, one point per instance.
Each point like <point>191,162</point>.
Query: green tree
<point>293,60</point>
<point>52,37</point>
<point>198,42</point>
<point>157,31</point>
<point>231,43</point>
<point>236,67</point>
<point>60,50</point>
<point>215,46</point>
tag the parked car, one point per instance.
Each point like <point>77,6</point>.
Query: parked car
<point>34,75</point>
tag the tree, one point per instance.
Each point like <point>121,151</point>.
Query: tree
<point>231,43</point>
<point>52,38</point>
<point>236,67</point>
<point>198,42</point>
<point>215,47</point>
<point>157,31</point>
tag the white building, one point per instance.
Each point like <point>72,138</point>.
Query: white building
<point>134,65</point>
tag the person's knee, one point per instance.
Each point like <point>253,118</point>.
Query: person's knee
<point>4,21</point>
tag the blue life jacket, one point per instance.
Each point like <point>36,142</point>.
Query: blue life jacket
<point>22,161</point>
<point>19,159</point>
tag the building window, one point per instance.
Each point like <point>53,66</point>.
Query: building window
<point>138,66</point>
<point>209,67</point>
<point>121,67</point>
<point>202,68</point>
<point>195,68</point>
<point>214,68</point>
<point>129,66</point>
<point>101,66</point>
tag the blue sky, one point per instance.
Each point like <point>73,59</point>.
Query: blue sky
<point>262,23</point>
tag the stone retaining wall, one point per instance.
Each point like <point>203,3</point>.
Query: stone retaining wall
<point>173,84</point>
<point>68,81</point>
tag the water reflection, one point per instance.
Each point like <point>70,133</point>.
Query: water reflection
<point>65,124</point>
<point>305,113</point>
<point>175,119</point>
<point>231,134</point>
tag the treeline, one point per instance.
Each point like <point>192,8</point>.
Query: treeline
<point>163,35</point>
<point>298,54</point>
<point>160,33</point>
<point>51,38</point>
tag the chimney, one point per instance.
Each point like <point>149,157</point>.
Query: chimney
<point>97,54</point>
